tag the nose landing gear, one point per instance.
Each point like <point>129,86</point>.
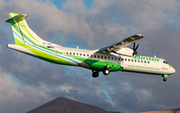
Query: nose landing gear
<point>164,77</point>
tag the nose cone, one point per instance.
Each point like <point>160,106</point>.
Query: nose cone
<point>172,70</point>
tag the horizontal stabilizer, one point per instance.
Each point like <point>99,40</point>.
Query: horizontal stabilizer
<point>17,17</point>
<point>21,49</point>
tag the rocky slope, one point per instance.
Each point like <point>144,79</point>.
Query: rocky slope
<point>63,105</point>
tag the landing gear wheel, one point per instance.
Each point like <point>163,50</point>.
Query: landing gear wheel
<point>165,79</point>
<point>106,72</point>
<point>95,74</point>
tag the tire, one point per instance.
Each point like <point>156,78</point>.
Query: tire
<point>165,79</point>
<point>106,72</point>
<point>95,74</point>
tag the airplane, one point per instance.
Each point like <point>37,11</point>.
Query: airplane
<point>113,58</point>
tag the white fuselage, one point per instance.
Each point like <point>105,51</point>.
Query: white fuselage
<point>140,64</point>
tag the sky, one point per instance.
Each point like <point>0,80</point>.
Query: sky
<point>27,82</point>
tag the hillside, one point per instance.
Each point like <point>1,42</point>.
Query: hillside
<point>63,105</point>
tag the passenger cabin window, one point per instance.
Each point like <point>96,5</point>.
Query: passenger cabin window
<point>144,61</point>
<point>80,54</point>
<point>70,53</point>
<point>101,56</point>
<point>112,58</point>
<point>105,57</point>
<point>66,52</point>
<point>98,56</point>
<point>84,55</point>
<point>125,59</point>
<point>115,58</point>
<point>76,53</point>
<point>94,56</point>
<point>73,53</point>
<point>108,57</point>
<point>129,60</point>
<point>88,55</point>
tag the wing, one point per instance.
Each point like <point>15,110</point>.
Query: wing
<point>122,44</point>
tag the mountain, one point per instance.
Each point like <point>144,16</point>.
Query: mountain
<point>64,105</point>
<point>175,110</point>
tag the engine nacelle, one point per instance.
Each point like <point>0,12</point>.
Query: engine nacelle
<point>125,51</point>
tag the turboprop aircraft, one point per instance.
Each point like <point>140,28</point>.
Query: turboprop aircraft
<point>116,57</point>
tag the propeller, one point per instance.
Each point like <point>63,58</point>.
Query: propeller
<point>135,48</point>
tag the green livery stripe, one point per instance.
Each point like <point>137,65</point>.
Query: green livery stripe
<point>46,56</point>
<point>23,26</point>
<point>49,49</point>
<point>17,41</point>
<point>14,14</point>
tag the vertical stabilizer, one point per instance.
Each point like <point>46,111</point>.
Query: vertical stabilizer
<point>21,31</point>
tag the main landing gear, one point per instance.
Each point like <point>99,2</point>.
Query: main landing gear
<point>95,74</point>
<point>106,71</point>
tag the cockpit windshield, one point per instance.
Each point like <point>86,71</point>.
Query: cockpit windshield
<point>165,62</point>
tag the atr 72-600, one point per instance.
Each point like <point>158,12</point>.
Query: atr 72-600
<point>116,57</point>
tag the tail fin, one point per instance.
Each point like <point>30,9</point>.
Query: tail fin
<point>21,31</point>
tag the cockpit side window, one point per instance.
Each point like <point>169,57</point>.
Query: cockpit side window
<point>165,62</point>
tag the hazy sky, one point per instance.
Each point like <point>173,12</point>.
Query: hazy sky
<point>27,82</point>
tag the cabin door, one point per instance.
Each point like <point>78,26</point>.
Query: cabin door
<point>120,61</point>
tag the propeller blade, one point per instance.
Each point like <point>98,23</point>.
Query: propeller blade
<point>136,47</point>
<point>134,44</point>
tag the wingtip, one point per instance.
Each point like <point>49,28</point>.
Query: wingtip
<point>141,35</point>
